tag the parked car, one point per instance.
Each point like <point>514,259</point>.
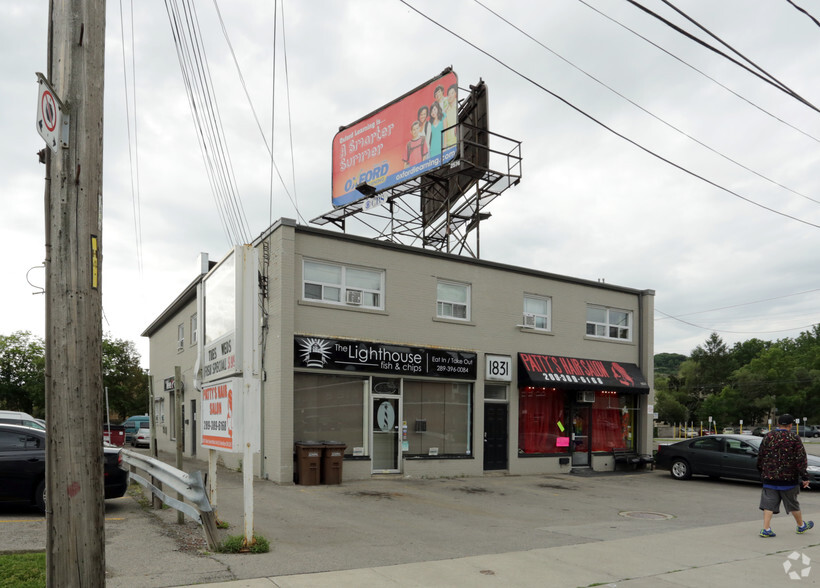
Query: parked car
<point>760,431</point>
<point>142,438</point>
<point>132,424</point>
<point>809,431</point>
<point>15,417</point>
<point>23,467</point>
<point>719,456</point>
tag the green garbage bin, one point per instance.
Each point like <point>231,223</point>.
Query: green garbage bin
<point>308,462</point>
<point>334,454</point>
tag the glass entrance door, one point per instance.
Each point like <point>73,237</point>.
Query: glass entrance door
<point>386,443</point>
<point>579,444</point>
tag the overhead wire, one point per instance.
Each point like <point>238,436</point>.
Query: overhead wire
<point>268,146</point>
<point>181,45</point>
<point>603,125</point>
<point>804,11</point>
<point>133,157</point>
<point>680,320</point>
<point>635,104</point>
<point>207,120</point>
<point>702,73</point>
<point>765,76</point>
<point>742,304</point>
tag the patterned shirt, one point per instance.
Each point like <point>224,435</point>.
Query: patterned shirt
<point>782,458</point>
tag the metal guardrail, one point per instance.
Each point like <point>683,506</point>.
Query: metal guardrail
<point>189,486</point>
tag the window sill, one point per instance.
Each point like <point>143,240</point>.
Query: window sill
<point>608,340</point>
<point>440,319</point>
<point>534,331</point>
<point>340,306</point>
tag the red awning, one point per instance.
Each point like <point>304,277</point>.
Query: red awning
<point>572,373</point>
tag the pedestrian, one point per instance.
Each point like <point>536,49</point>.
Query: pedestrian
<point>782,464</point>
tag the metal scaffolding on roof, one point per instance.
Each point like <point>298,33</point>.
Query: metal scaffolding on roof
<point>443,209</point>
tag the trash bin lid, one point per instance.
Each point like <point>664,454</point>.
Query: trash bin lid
<point>334,443</point>
<point>308,443</point>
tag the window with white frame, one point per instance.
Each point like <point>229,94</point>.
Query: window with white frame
<point>180,336</point>
<point>193,330</point>
<point>453,300</point>
<point>537,312</point>
<point>609,323</point>
<point>344,285</point>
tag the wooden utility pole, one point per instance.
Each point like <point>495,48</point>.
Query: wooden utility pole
<point>75,539</point>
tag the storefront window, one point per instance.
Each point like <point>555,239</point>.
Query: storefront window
<point>613,421</point>
<point>329,408</point>
<point>439,418</point>
<point>541,426</point>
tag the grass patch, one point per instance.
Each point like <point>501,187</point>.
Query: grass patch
<point>23,570</point>
<point>236,544</point>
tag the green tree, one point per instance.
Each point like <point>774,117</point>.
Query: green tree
<point>22,369</point>
<point>667,364</point>
<point>126,381</point>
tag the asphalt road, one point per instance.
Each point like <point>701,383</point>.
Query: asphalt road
<point>394,520</point>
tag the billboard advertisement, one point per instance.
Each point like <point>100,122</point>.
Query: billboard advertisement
<point>403,140</point>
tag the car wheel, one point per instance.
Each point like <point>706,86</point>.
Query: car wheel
<point>40,496</point>
<point>680,469</point>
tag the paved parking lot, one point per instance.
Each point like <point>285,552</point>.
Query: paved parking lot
<point>394,520</point>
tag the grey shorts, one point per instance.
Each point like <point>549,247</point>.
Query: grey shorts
<point>770,499</point>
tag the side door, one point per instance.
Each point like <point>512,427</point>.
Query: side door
<point>22,464</point>
<point>740,460</point>
<point>706,455</point>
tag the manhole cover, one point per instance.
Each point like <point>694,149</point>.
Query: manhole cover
<point>639,514</point>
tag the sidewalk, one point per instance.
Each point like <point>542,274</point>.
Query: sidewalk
<point>720,556</point>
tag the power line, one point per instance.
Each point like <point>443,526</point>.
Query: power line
<point>704,74</point>
<point>743,304</point>
<point>732,332</point>
<point>133,158</point>
<point>765,76</point>
<point>207,120</point>
<point>600,123</point>
<point>804,11</point>
<point>268,146</point>
<point>635,104</point>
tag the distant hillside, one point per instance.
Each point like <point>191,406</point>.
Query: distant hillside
<point>667,364</point>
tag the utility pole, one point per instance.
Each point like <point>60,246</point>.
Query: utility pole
<point>75,538</point>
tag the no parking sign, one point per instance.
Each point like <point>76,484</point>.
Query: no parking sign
<point>52,122</point>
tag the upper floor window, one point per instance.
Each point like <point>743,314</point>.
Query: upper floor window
<point>180,336</point>
<point>609,323</point>
<point>537,312</point>
<point>193,329</point>
<point>339,284</point>
<point>453,301</point>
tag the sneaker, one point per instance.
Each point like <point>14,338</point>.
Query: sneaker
<point>805,526</point>
<point>770,533</point>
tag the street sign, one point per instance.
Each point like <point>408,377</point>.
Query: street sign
<point>52,121</point>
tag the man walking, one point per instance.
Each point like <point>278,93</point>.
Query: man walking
<point>782,464</point>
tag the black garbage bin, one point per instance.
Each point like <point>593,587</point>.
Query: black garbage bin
<point>308,462</point>
<point>334,454</point>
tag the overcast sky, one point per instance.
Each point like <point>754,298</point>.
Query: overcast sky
<point>590,204</point>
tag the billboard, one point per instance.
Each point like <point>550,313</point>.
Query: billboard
<point>410,136</point>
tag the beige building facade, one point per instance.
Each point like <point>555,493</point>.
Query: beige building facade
<point>423,363</point>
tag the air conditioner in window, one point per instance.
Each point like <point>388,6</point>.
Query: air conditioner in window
<point>529,320</point>
<point>586,396</point>
<point>353,296</point>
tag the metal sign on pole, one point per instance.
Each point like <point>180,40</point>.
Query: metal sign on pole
<point>52,116</point>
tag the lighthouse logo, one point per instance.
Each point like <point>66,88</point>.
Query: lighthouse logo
<point>314,352</point>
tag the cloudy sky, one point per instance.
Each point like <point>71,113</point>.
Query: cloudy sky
<point>735,252</point>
